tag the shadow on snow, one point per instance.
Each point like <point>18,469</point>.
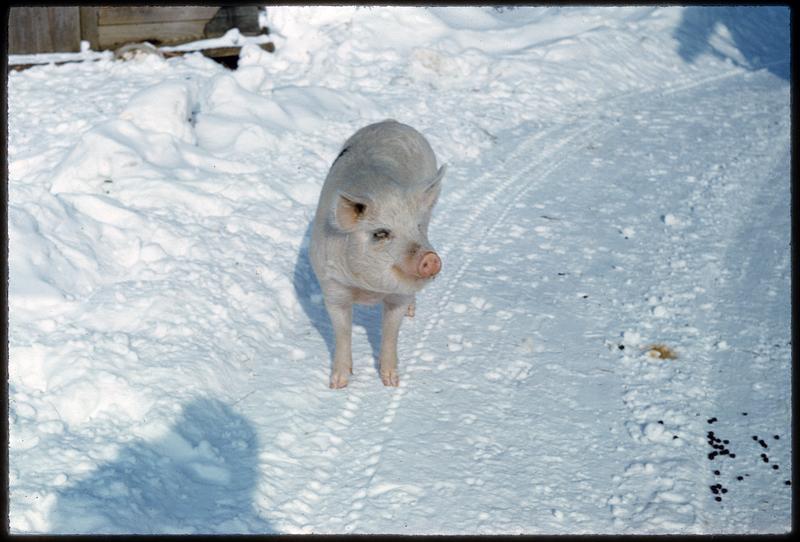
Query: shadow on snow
<point>760,33</point>
<point>309,295</point>
<point>198,478</point>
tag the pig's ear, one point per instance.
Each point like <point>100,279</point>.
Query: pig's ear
<point>349,211</point>
<point>434,187</point>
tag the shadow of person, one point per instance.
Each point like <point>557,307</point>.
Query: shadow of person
<point>760,33</point>
<point>198,478</point>
<point>310,297</point>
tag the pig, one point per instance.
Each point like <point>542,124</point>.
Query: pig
<point>369,240</point>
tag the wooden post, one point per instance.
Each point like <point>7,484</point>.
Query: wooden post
<point>245,18</point>
<point>89,27</point>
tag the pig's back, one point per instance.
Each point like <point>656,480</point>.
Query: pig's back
<point>392,147</point>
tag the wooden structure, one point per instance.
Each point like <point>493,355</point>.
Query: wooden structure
<point>44,30</point>
<point>60,29</point>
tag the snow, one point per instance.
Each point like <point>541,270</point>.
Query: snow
<point>231,38</point>
<point>618,187</point>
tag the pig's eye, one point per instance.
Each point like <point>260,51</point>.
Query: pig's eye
<point>381,234</point>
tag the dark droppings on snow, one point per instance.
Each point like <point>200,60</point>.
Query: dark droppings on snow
<point>720,448</point>
<point>716,489</point>
<point>718,444</point>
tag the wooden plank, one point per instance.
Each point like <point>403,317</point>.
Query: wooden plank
<point>112,36</point>
<point>65,28</point>
<point>34,30</point>
<point>25,34</point>
<point>89,27</point>
<point>153,14</point>
<point>215,53</point>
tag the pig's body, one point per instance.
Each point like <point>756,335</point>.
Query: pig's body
<point>369,240</point>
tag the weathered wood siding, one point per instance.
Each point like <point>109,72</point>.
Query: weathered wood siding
<point>61,29</point>
<point>119,25</point>
<point>34,30</point>
<point>153,14</point>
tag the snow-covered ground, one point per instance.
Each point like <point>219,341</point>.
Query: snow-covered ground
<point>618,179</point>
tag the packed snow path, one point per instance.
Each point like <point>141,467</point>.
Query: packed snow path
<point>533,409</point>
<point>170,353</point>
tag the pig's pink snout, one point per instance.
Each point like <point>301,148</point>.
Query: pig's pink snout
<point>429,265</point>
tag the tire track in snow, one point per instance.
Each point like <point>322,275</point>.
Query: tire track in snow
<point>466,231</point>
<point>360,473</point>
<point>321,484</point>
<point>471,236</point>
<point>657,499</point>
<point>298,509</point>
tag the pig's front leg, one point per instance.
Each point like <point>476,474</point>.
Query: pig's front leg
<point>393,312</point>
<point>342,319</point>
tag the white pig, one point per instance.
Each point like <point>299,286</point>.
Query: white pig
<point>369,241</point>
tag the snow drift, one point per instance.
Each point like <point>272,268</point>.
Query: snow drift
<point>618,179</point>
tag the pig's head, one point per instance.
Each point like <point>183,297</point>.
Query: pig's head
<point>387,248</point>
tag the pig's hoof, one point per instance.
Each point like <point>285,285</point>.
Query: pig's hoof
<point>390,378</point>
<point>410,311</point>
<point>338,380</point>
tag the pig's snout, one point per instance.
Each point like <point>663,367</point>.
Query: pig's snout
<point>429,265</point>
